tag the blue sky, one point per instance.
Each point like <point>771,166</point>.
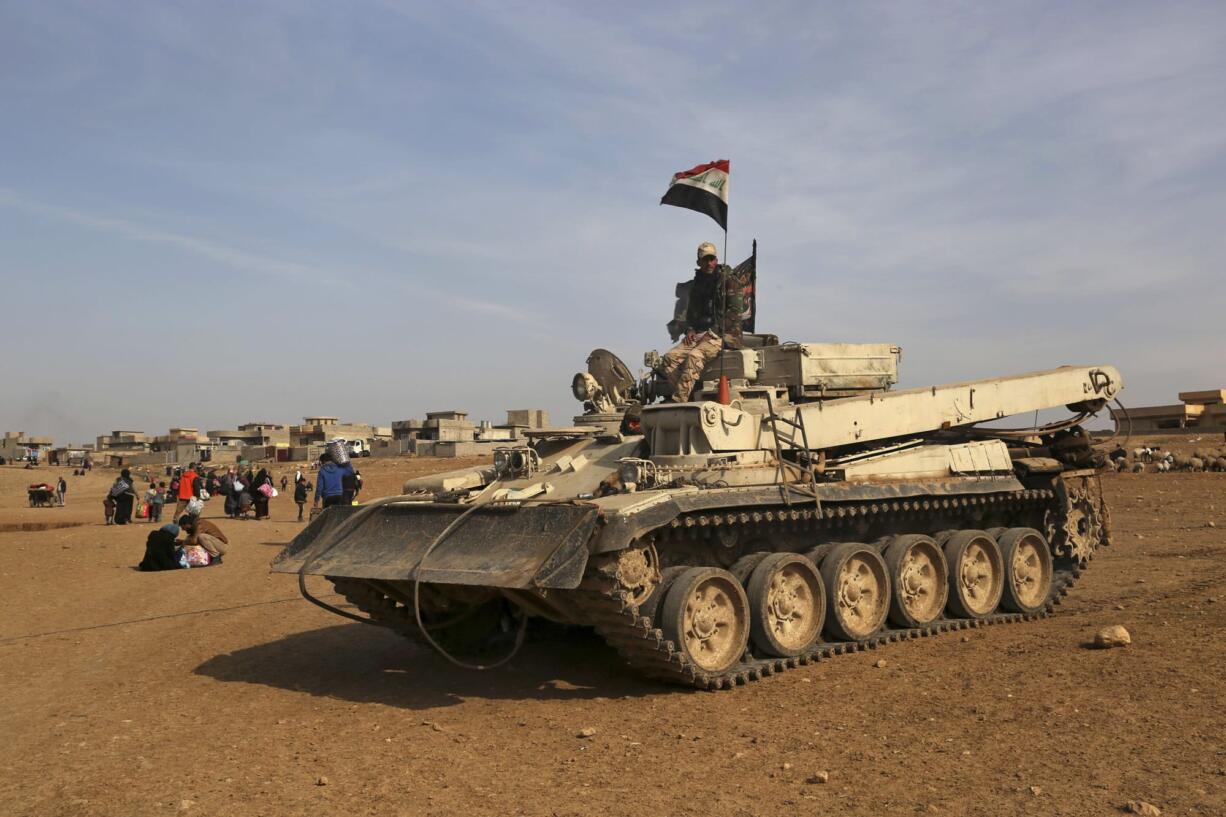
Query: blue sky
<point>219,212</point>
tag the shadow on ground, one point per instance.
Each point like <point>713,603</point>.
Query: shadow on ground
<point>365,664</point>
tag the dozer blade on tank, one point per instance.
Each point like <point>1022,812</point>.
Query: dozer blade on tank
<point>819,511</point>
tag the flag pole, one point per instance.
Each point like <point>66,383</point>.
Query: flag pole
<point>722,393</point>
<point>753,283</point>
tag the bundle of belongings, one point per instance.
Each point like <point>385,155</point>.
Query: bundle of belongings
<point>40,494</point>
<point>203,546</point>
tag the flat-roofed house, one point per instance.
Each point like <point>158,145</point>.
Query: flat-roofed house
<point>1199,411</point>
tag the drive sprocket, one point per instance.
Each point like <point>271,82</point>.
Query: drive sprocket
<point>1082,524</point>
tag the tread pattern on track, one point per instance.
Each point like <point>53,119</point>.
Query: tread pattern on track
<point>645,648</point>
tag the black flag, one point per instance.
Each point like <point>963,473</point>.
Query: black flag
<point>747,273</point>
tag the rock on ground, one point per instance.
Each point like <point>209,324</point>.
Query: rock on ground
<point>1114,636</point>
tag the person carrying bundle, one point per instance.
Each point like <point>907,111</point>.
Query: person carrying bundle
<point>330,484</point>
<point>123,496</point>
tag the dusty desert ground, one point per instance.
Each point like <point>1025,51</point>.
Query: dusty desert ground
<point>220,691</point>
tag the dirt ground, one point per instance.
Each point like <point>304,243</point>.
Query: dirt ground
<point>220,691</point>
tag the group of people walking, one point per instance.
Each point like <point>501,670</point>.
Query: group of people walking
<point>246,493</point>
<point>120,504</point>
<point>190,541</point>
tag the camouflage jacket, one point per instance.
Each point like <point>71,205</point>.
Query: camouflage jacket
<point>716,303</point>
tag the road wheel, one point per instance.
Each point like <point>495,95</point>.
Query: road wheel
<point>787,602</point>
<point>706,615</point>
<point>920,580</point>
<point>857,591</point>
<point>1027,560</point>
<point>976,573</point>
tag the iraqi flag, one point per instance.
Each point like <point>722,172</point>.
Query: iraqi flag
<point>703,188</point>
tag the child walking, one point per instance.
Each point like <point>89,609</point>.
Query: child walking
<point>300,495</point>
<point>148,497</point>
<point>159,499</point>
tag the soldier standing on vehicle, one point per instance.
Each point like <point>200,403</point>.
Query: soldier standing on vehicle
<point>712,323</point>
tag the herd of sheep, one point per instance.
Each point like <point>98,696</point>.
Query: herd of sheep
<point>1140,460</point>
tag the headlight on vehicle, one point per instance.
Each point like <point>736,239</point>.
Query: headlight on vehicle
<point>581,388</point>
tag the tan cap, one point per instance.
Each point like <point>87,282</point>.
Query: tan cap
<point>706,248</point>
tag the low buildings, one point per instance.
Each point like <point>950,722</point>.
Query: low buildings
<point>248,434</point>
<point>407,429</point>
<point>448,426</point>
<point>176,438</point>
<point>528,418</point>
<point>70,456</point>
<point>450,434</point>
<point>123,441</point>
<point>441,433</point>
<point>1198,411</point>
<point>321,429</point>
<point>19,445</point>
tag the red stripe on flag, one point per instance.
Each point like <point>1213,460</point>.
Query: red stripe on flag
<point>718,164</point>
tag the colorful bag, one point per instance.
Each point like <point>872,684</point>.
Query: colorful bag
<point>266,490</point>
<point>195,556</point>
<point>142,510</point>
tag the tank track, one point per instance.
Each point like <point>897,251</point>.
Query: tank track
<point>609,610</point>
<point>644,647</point>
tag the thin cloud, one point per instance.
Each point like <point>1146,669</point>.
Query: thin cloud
<point>135,231</point>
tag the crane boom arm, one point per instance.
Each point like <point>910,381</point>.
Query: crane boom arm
<point>692,428</point>
<point>880,416</point>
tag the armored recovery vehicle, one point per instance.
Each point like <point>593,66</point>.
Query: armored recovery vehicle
<point>818,511</point>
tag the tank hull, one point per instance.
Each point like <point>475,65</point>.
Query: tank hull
<point>584,563</point>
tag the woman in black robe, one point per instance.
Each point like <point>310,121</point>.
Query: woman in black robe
<point>257,496</point>
<point>161,549</point>
<point>124,500</point>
